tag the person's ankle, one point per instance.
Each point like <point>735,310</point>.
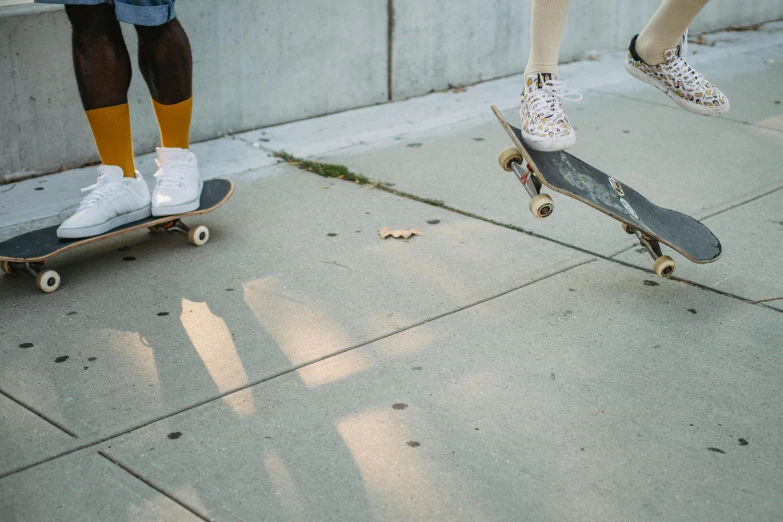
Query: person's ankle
<point>645,51</point>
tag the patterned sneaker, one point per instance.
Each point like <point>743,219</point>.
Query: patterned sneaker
<point>686,86</point>
<point>544,123</point>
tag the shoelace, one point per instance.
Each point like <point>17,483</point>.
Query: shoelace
<point>549,97</point>
<point>680,67</point>
<point>100,191</point>
<point>170,177</point>
<point>690,77</point>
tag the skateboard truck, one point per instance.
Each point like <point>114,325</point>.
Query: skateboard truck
<point>511,160</point>
<point>197,236</point>
<point>663,266</point>
<point>46,280</point>
<point>541,205</point>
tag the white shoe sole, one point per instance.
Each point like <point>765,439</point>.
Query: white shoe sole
<point>182,208</point>
<point>701,110</point>
<point>549,144</point>
<point>97,230</point>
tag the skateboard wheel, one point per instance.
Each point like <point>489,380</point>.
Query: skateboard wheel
<point>154,228</point>
<point>628,229</point>
<point>508,156</point>
<point>542,206</point>
<point>5,266</point>
<point>664,266</point>
<point>48,281</point>
<point>198,235</point>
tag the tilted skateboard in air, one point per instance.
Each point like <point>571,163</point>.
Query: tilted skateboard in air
<point>28,252</point>
<point>573,177</point>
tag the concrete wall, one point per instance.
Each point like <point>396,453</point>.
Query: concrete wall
<point>256,63</point>
<point>442,42</point>
<point>262,62</point>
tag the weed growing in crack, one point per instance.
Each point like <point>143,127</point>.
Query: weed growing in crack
<point>326,170</point>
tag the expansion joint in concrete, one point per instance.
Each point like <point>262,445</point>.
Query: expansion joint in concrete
<point>390,48</point>
<point>566,267</point>
<point>151,485</point>
<point>611,258</point>
<point>39,414</point>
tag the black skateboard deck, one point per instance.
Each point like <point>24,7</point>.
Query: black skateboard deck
<point>568,175</point>
<point>28,252</point>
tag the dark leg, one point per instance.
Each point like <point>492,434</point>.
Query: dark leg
<point>100,58</point>
<point>166,62</point>
<point>103,74</point>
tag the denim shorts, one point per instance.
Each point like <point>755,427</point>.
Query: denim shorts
<point>136,12</point>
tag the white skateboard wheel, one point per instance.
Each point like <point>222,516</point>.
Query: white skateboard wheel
<point>48,281</point>
<point>199,235</point>
<point>508,156</point>
<point>664,266</point>
<point>542,206</point>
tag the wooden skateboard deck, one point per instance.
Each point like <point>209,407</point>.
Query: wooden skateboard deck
<point>572,177</point>
<point>28,252</point>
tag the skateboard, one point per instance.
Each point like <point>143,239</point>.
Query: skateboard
<point>28,252</point>
<point>568,175</point>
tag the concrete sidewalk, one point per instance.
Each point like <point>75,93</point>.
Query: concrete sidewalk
<point>496,368</point>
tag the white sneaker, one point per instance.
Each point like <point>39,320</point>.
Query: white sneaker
<point>178,187</point>
<point>113,201</point>
<point>545,125</point>
<point>686,86</point>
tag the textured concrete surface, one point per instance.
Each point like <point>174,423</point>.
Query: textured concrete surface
<point>436,43</point>
<point>87,487</point>
<point>294,272</point>
<point>25,437</point>
<point>298,367</point>
<point>603,408</point>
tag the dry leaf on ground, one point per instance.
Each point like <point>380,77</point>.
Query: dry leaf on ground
<point>404,234</point>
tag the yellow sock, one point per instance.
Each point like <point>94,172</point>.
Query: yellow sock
<point>111,128</point>
<point>174,123</point>
<point>665,28</point>
<point>548,22</point>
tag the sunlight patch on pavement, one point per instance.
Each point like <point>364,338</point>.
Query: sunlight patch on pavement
<point>303,330</point>
<point>212,340</point>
